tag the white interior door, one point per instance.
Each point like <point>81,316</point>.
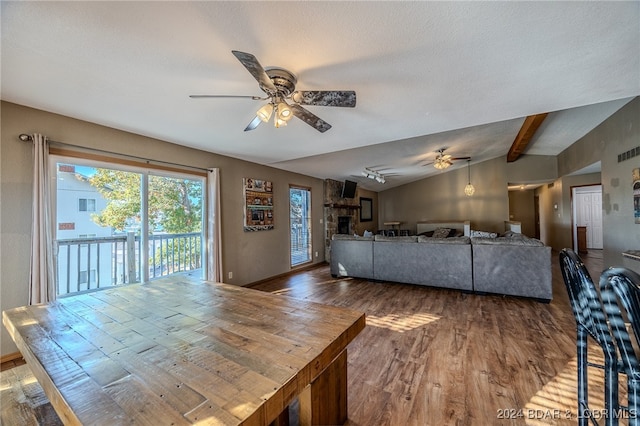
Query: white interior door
<point>588,203</point>
<point>594,232</point>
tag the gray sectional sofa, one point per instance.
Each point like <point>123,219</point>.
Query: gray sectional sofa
<point>512,264</point>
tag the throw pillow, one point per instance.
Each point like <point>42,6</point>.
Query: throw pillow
<point>441,233</point>
<point>483,234</point>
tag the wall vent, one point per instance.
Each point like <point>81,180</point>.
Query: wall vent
<point>629,154</point>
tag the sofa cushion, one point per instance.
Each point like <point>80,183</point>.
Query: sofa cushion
<point>483,234</point>
<point>511,267</point>
<point>409,239</point>
<point>352,257</point>
<point>508,241</point>
<point>438,263</point>
<point>450,240</point>
<point>441,233</point>
<point>510,234</point>
<point>350,237</point>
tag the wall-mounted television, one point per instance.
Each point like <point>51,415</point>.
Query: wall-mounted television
<point>349,189</point>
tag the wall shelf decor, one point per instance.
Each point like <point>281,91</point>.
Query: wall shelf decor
<point>258,204</point>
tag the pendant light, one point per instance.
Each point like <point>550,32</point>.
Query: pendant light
<point>469,189</point>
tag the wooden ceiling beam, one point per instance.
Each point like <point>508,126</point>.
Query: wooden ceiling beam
<point>528,129</point>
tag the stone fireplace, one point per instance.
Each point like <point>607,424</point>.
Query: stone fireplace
<point>340,214</point>
<point>344,225</point>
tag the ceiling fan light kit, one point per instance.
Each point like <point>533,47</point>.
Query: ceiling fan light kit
<point>279,85</point>
<point>284,112</point>
<point>277,122</point>
<point>265,112</point>
<point>441,163</point>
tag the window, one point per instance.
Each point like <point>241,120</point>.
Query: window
<point>87,205</point>
<point>144,224</point>
<point>300,224</point>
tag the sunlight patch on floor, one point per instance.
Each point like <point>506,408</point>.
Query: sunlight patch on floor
<point>303,289</point>
<point>401,323</point>
<point>556,401</point>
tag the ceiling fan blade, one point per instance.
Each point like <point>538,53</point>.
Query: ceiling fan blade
<point>255,98</point>
<point>335,98</point>
<point>257,71</point>
<point>460,158</point>
<point>254,123</point>
<point>310,118</point>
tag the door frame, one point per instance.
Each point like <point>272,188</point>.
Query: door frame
<point>310,222</point>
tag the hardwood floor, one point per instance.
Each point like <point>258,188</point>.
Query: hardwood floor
<point>430,356</point>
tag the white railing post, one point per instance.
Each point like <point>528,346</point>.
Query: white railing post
<point>131,257</point>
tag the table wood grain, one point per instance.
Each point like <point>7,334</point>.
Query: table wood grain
<point>183,352</point>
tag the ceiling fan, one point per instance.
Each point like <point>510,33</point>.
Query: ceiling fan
<point>442,160</point>
<point>284,101</point>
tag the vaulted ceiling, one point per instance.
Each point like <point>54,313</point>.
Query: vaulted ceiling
<point>460,75</point>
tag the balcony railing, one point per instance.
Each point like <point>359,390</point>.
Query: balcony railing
<point>94,263</point>
<point>300,245</point>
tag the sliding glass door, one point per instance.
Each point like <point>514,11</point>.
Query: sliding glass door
<point>175,225</point>
<point>116,225</point>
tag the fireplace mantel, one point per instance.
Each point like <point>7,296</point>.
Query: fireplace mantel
<point>341,206</point>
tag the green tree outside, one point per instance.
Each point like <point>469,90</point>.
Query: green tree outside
<point>174,206</point>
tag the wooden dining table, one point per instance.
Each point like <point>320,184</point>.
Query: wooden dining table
<point>186,351</point>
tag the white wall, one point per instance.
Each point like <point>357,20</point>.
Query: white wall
<point>442,197</point>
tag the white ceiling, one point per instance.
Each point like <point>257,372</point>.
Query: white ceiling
<point>461,75</point>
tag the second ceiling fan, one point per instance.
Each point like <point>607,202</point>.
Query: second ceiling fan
<point>284,101</point>
<point>442,160</point>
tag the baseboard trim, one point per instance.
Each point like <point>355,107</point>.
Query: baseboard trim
<point>291,272</point>
<point>10,357</point>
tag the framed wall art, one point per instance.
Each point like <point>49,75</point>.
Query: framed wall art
<point>636,194</point>
<point>258,204</point>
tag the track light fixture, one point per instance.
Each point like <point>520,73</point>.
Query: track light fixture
<point>372,174</point>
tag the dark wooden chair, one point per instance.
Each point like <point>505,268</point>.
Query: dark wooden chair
<point>591,323</point>
<point>620,292</point>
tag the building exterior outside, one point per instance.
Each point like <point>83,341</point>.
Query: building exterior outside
<point>80,266</point>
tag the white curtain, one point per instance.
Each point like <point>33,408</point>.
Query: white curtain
<point>42,278</point>
<point>214,229</point>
